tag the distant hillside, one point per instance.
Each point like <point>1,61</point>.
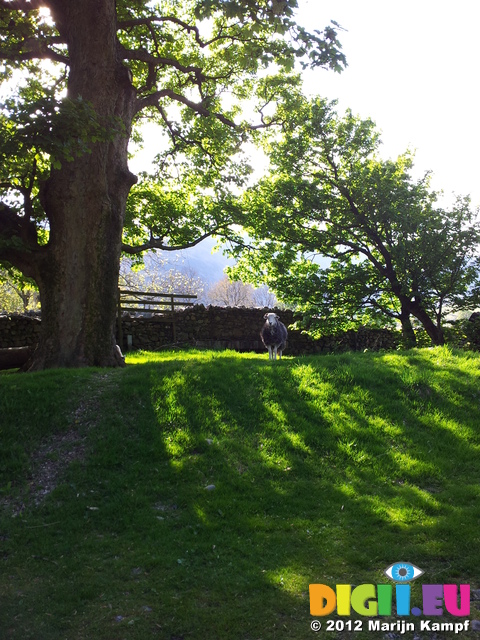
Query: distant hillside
<point>198,261</point>
<point>200,267</point>
<point>209,266</point>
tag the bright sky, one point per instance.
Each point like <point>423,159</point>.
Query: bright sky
<point>414,69</point>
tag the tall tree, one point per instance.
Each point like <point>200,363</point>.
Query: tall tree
<point>394,251</point>
<point>88,72</point>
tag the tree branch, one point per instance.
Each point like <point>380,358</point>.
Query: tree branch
<point>177,138</point>
<point>152,101</point>
<point>127,24</point>
<point>18,240</point>
<point>142,55</point>
<point>148,22</point>
<point>37,52</point>
<point>157,243</point>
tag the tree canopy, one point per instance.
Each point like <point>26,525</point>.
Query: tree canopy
<point>194,67</point>
<point>393,252</point>
<point>79,79</point>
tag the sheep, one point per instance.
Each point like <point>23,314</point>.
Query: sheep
<point>274,335</point>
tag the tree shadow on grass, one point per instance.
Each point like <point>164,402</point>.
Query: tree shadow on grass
<point>325,495</point>
<point>324,470</point>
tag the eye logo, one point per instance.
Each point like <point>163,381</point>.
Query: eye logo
<point>402,572</point>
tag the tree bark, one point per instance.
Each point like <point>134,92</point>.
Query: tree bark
<point>434,332</point>
<point>85,202</point>
<point>413,308</point>
<point>409,338</point>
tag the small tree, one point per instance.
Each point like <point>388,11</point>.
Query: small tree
<point>394,252</point>
<point>263,297</point>
<point>17,293</point>
<point>158,275</point>
<point>227,293</point>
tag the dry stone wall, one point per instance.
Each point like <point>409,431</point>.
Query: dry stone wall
<point>19,330</point>
<point>239,329</point>
<point>209,327</point>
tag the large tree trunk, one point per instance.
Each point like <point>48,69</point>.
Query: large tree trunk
<point>409,338</point>
<point>85,203</point>
<point>434,332</point>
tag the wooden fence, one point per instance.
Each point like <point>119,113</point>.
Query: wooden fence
<point>163,305</point>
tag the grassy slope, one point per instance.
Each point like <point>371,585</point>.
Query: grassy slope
<point>326,469</point>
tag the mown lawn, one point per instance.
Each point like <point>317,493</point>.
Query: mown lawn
<point>205,491</point>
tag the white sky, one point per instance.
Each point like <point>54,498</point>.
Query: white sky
<point>414,68</point>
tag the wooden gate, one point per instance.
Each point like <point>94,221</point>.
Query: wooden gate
<point>163,305</point>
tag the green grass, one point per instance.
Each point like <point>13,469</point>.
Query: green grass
<point>326,469</point>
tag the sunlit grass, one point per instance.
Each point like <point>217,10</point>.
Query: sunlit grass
<point>325,469</point>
